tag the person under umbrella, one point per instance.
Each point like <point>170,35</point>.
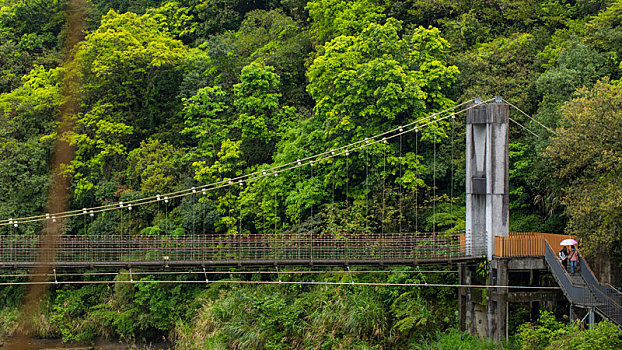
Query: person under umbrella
<point>567,242</point>
<point>563,257</point>
<point>574,259</point>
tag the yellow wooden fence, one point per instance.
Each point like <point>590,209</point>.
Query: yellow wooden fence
<point>526,244</point>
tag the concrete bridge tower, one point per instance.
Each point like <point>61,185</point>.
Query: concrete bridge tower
<point>487,176</point>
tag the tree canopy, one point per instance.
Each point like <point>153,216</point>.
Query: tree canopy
<point>182,93</point>
<point>176,94</point>
<point>586,156</point>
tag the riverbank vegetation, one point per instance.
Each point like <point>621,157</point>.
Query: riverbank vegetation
<point>285,316</point>
<point>182,93</point>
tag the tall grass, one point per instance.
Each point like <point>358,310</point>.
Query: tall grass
<point>8,321</point>
<point>454,339</point>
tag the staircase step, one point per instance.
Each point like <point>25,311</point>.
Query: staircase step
<point>577,280</point>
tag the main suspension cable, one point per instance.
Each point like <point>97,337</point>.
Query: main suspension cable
<point>532,118</point>
<point>258,174</point>
<point>524,127</point>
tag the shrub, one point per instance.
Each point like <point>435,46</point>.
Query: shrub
<point>548,333</point>
<point>454,339</point>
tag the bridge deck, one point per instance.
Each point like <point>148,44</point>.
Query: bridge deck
<point>23,251</point>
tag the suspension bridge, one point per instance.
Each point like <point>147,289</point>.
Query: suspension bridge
<point>234,251</point>
<point>275,242</point>
<point>275,237</point>
<point>279,240</point>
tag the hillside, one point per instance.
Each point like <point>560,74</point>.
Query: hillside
<point>175,94</point>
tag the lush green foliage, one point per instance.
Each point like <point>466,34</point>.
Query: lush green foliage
<point>454,339</point>
<point>324,317</point>
<point>586,155</point>
<point>550,334</point>
<point>181,93</point>
<point>369,82</point>
<point>252,87</point>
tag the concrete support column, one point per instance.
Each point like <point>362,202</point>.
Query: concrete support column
<point>487,176</point>
<point>497,300</point>
<point>464,297</point>
<point>472,309</point>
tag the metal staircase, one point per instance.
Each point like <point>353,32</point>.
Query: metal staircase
<point>583,289</point>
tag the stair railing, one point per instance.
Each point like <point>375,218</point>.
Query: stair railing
<point>613,293</point>
<point>575,294</point>
<point>605,301</point>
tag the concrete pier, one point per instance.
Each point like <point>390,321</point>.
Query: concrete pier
<point>487,176</point>
<point>486,312</point>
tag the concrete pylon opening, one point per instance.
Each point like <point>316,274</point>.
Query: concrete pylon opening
<point>487,176</point>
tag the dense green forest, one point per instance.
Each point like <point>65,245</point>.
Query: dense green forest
<point>175,94</point>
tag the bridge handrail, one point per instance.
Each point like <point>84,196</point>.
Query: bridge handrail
<point>590,278</point>
<point>614,292</point>
<point>575,294</point>
<point>406,247</point>
<point>607,305</point>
